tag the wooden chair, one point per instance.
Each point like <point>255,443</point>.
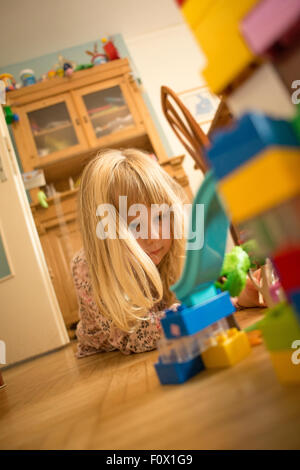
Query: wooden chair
<point>190,133</point>
<point>185,127</point>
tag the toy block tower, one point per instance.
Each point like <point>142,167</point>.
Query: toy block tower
<point>256,161</point>
<point>198,334</point>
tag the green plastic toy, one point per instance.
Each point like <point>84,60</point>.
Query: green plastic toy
<point>235,268</point>
<point>10,117</point>
<point>42,198</point>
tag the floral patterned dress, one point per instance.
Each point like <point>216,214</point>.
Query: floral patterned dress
<point>95,333</point>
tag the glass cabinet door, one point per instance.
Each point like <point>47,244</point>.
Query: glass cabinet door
<point>54,129</point>
<point>107,112</point>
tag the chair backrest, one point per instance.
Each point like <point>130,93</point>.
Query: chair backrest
<point>185,127</point>
<point>190,133</point>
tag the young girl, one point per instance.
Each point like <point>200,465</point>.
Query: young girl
<point>123,281</point>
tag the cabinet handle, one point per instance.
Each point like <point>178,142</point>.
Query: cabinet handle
<point>77,121</point>
<point>85,119</point>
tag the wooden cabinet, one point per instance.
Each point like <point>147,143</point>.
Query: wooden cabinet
<point>108,112</point>
<point>59,233</point>
<point>53,130</point>
<point>63,123</point>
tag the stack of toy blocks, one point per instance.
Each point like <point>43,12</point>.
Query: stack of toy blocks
<point>280,328</point>
<point>252,49</point>
<point>257,164</point>
<point>198,337</point>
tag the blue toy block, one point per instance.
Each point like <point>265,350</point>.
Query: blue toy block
<point>294,297</point>
<point>246,138</point>
<point>178,372</point>
<point>190,320</point>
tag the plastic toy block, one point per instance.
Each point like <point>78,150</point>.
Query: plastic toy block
<point>231,348</point>
<point>274,229</point>
<point>177,373</point>
<point>280,327</point>
<point>294,298</point>
<point>258,93</point>
<point>265,181</point>
<point>247,137</point>
<point>188,321</point>
<point>287,40</point>
<point>226,51</point>
<point>194,11</point>
<point>227,65</point>
<point>220,24</point>
<point>285,369</point>
<point>268,22</point>
<point>296,121</point>
<point>287,264</point>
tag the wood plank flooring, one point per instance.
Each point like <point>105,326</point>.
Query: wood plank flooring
<point>112,401</point>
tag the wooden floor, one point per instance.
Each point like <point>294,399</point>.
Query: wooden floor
<point>111,401</point>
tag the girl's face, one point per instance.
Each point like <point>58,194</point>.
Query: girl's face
<point>151,238</point>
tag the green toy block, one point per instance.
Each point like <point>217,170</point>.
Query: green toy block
<point>296,122</point>
<point>280,327</point>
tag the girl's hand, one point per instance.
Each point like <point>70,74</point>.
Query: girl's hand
<point>250,297</point>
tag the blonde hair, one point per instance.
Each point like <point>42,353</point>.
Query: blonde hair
<point>126,283</point>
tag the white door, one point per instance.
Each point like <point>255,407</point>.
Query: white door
<point>30,319</point>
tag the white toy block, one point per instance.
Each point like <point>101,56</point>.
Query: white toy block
<point>263,92</point>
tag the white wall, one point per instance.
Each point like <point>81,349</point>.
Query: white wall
<point>170,57</point>
<point>33,28</point>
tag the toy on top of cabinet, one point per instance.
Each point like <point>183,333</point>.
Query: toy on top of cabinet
<point>9,81</point>
<point>27,76</point>
<point>97,57</point>
<point>64,67</point>
<point>110,49</point>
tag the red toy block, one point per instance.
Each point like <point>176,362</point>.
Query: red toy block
<point>179,2</point>
<point>287,263</point>
<point>268,22</point>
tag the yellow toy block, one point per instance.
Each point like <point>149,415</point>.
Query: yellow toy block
<point>265,181</point>
<point>227,65</point>
<point>231,348</point>
<point>285,369</point>
<point>220,24</point>
<point>219,37</point>
<point>194,11</point>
